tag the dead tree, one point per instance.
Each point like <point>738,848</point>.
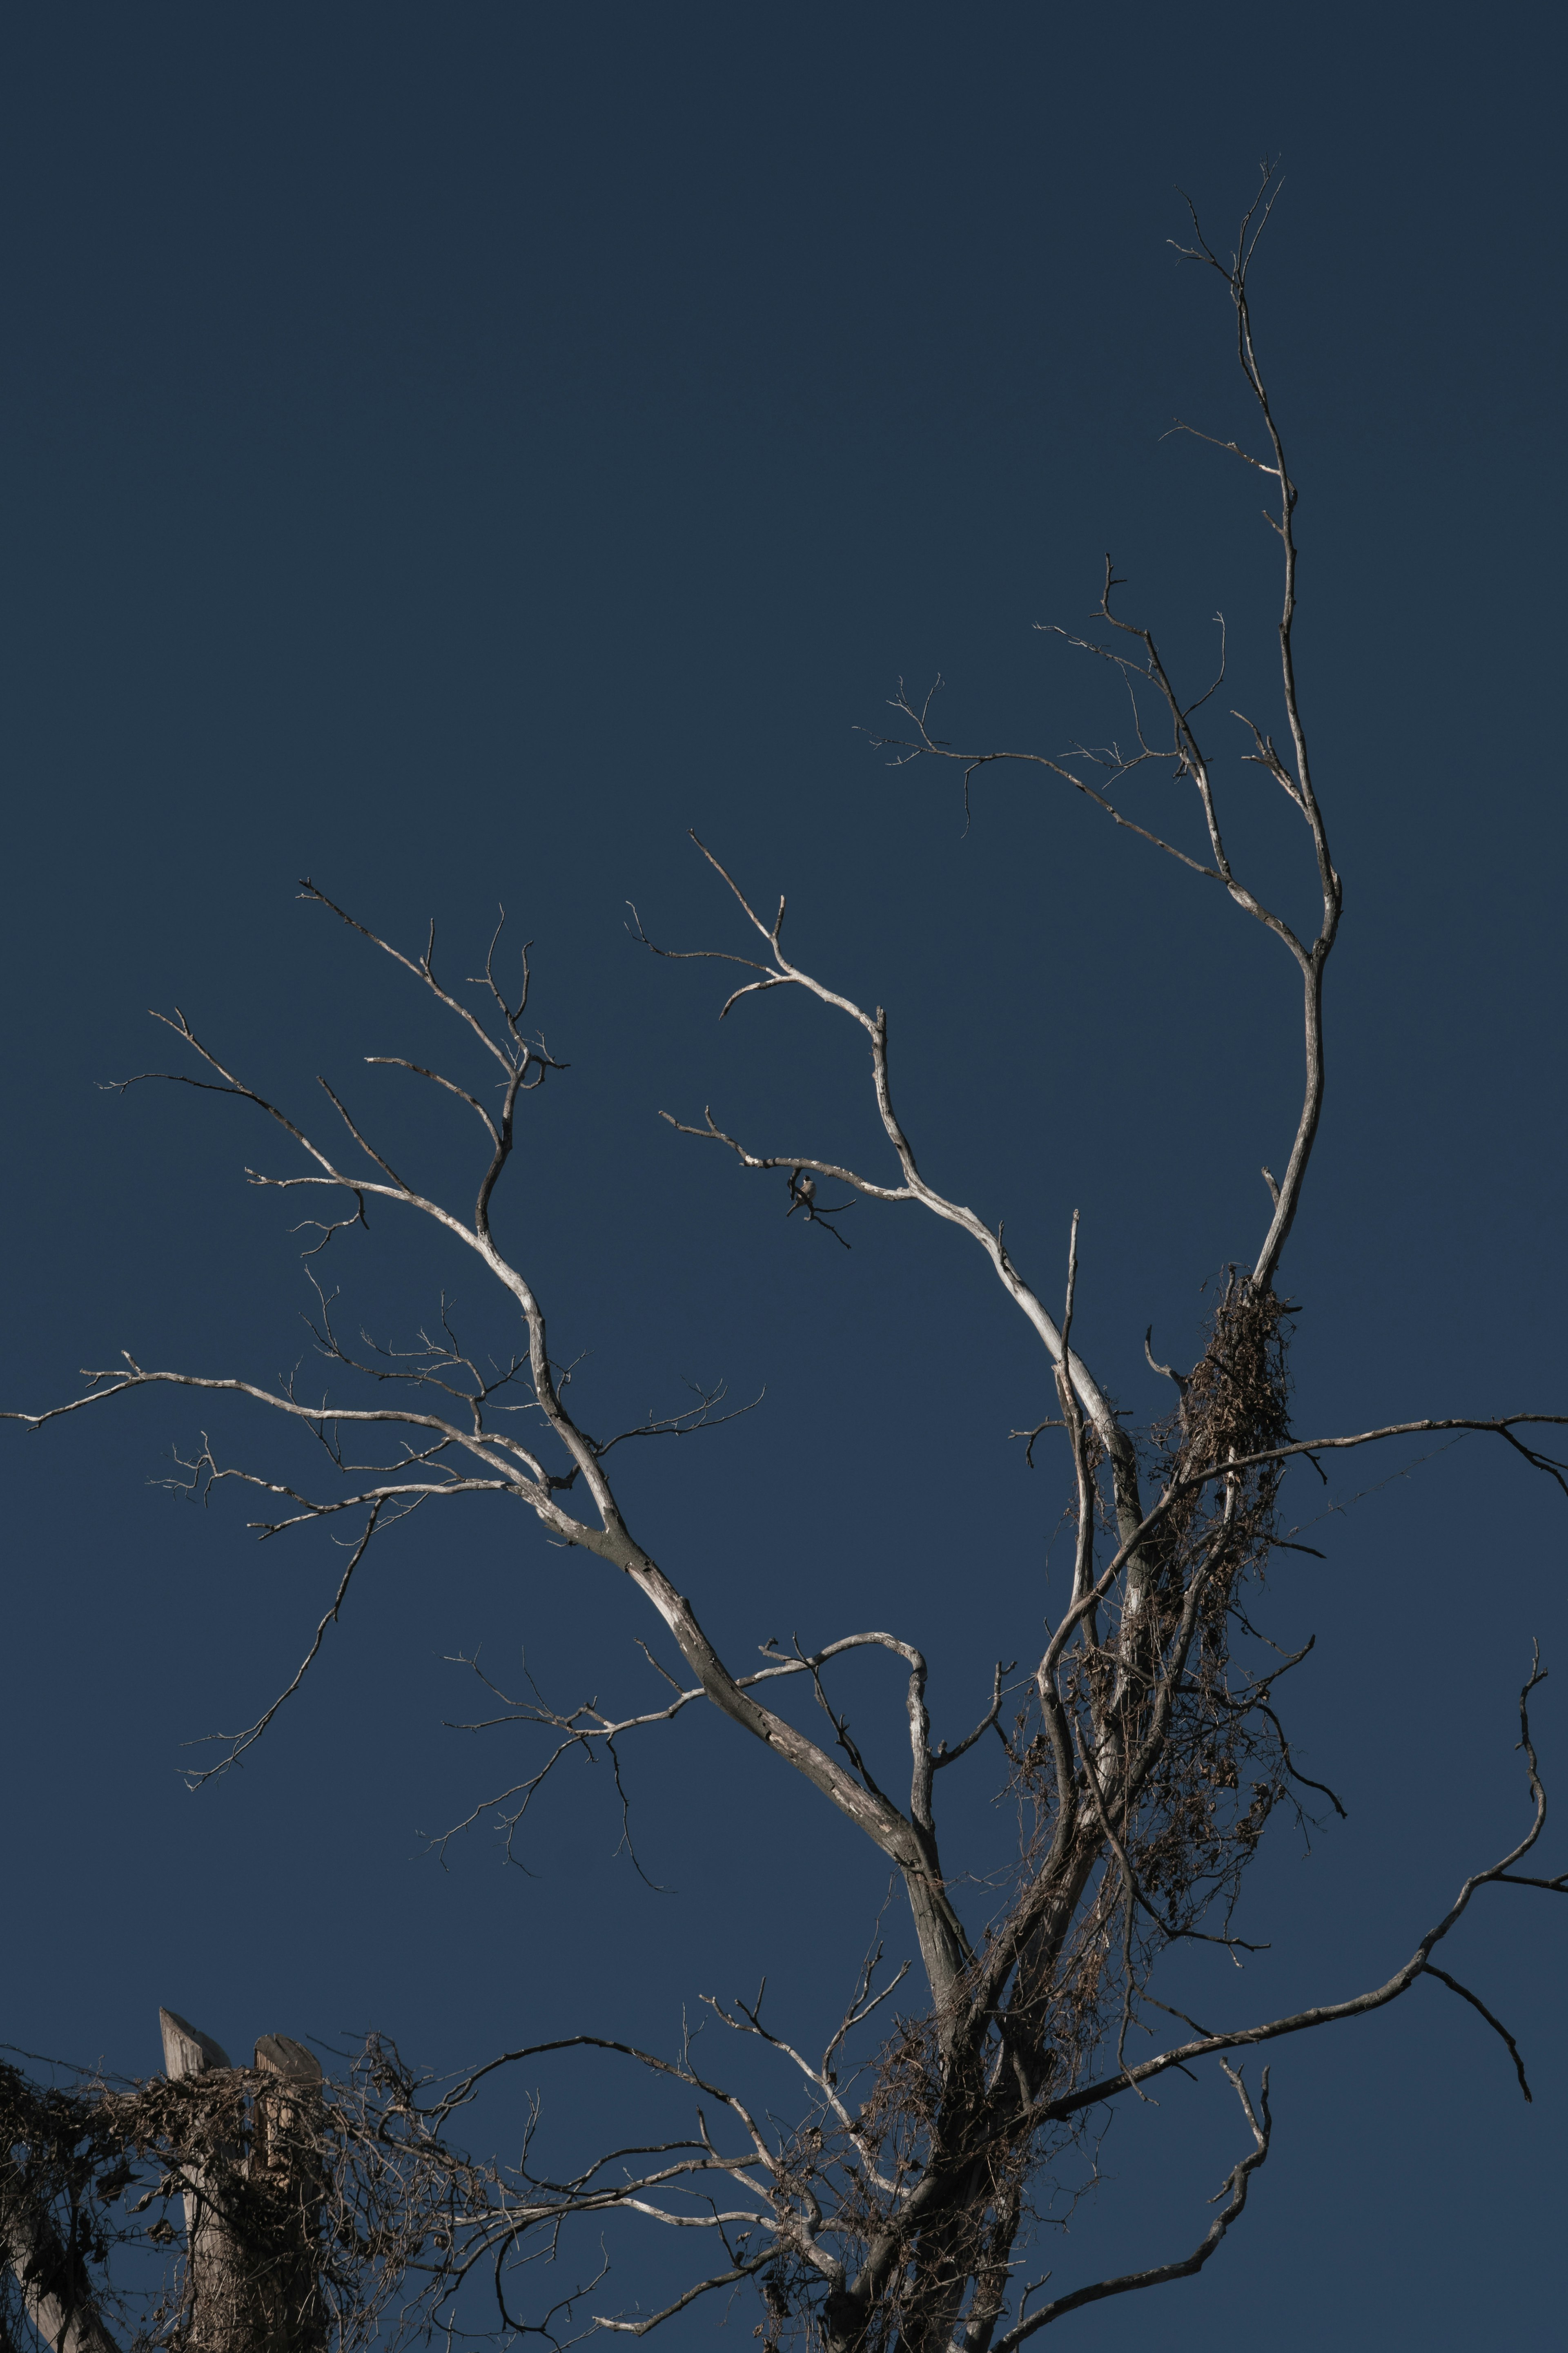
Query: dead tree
<point>1149,1751</point>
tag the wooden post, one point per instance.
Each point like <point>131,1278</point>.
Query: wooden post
<point>284,2146</point>
<point>188,2051</point>
<point>253,2215</point>
<point>253,2219</point>
<point>215,2281</point>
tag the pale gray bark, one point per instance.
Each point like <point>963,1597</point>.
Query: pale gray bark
<point>53,2290</point>
<point>1018,2028</point>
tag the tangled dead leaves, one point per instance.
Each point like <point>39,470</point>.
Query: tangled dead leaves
<point>325,2214</point>
<point>342,2213</point>
<point>1192,1761</point>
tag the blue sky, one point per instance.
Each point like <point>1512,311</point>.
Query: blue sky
<point>450,453</point>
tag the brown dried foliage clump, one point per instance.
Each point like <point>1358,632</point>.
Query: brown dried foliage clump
<point>327,2213</point>
<point>1187,1832</point>
<point>1225,1763</point>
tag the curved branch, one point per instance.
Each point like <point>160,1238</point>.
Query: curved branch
<point>1237,2181</point>
<point>1359,2005</point>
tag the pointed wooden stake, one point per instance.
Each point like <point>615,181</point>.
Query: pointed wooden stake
<point>186,2050</point>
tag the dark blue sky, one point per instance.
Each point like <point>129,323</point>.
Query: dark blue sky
<point>450,452</point>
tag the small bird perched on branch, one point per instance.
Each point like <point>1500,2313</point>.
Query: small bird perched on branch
<point>802,1196</point>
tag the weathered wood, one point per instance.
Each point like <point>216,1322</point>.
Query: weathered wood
<point>285,2144</point>
<point>252,2217</point>
<point>186,2050</point>
<point>53,2288</point>
<point>216,2285</point>
<point>282,2055</point>
<point>282,2123</point>
<point>253,2213</point>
